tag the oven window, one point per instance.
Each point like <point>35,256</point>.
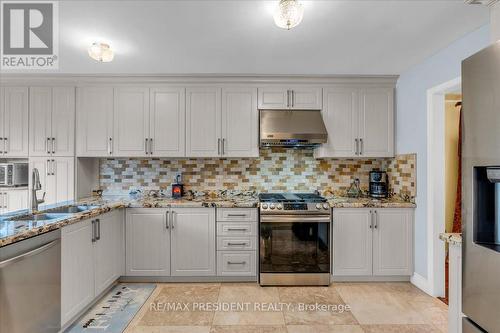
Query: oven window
<point>294,247</point>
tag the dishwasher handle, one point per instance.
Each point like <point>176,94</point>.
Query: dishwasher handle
<point>31,253</point>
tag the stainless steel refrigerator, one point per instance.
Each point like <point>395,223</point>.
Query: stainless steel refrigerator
<point>481,191</point>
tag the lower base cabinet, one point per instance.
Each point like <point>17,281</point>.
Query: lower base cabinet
<point>372,242</point>
<point>91,260</point>
<point>170,242</point>
<point>237,263</point>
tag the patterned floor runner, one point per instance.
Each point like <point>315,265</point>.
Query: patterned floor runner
<point>114,311</point>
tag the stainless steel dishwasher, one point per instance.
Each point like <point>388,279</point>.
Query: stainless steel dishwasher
<point>30,285</point>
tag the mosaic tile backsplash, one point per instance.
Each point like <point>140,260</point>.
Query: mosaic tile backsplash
<point>277,169</point>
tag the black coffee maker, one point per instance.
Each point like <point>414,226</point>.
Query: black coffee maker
<point>378,184</point>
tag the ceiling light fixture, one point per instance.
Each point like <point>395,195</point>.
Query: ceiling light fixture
<point>288,14</point>
<point>101,52</point>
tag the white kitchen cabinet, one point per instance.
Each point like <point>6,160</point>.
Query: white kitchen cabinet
<point>167,122</point>
<point>290,97</point>
<point>393,242</point>
<point>352,248</point>
<point>193,242</point>
<point>359,121</point>
<point>109,256</point>
<point>57,177</point>
<point>94,114</point>
<point>14,122</point>
<point>52,121</point>
<point>376,122</point>
<point>147,242</point>
<point>373,242</point>
<point>77,269</point>
<point>240,122</point>
<point>131,121</point>
<point>340,105</point>
<point>203,122</point>
<point>13,199</point>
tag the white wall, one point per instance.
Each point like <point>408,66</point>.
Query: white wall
<point>411,119</point>
<point>495,22</point>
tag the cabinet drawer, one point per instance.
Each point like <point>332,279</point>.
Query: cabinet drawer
<point>236,263</point>
<point>236,229</point>
<point>236,243</point>
<point>237,214</point>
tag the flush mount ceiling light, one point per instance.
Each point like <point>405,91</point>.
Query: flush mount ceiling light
<point>101,52</point>
<point>289,14</point>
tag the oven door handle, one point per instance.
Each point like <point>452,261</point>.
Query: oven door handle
<point>294,218</point>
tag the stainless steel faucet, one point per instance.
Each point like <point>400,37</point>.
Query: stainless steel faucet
<point>36,186</point>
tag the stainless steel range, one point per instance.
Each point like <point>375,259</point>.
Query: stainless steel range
<point>294,239</point>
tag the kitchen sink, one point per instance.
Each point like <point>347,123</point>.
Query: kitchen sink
<point>36,217</point>
<point>72,209</point>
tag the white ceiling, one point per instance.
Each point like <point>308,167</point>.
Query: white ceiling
<point>236,36</point>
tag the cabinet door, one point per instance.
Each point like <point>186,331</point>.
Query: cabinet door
<point>393,242</point>
<point>63,121</point>
<point>131,121</point>
<point>40,111</point>
<point>60,185</point>
<point>193,242</point>
<point>147,242</point>
<point>376,126</point>
<point>340,115</point>
<point>274,97</point>
<point>42,164</point>
<point>168,122</point>
<point>15,200</point>
<point>94,121</point>
<point>108,254</point>
<point>77,269</point>
<point>203,122</point>
<point>16,122</point>
<point>305,98</point>
<point>352,242</point>
<point>240,122</point>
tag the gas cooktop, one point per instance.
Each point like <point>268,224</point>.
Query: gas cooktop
<point>291,197</point>
<point>293,203</point>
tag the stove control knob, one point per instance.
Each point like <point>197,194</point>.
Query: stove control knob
<point>326,206</point>
<point>271,206</point>
<point>318,206</point>
<point>279,206</point>
<point>264,206</point>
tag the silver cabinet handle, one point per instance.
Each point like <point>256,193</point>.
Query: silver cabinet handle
<point>3,143</point>
<point>293,98</point>
<point>236,215</point>
<point>172,219</point>
<point>361,145</point>
<point>356,142</point>
<point>236,244</point>
<point>54,167</point>
<point>110,148</point>
<point>223,146</point>
<point>29,253</point>
<point>236,262</point>
<point>146,142</point>
<point>150,146</point>
<point>167,219</point>
<point>376,219</point>
<point>98,223</point>
<point>6,145</point>
<point>237,229</point>
<point>47,142</point>
<point>371,219</point>
<point>93,232</point>
<point>48,168</point>
<point>53,145</point>
<point>288,98</point>
<point>218,146</point>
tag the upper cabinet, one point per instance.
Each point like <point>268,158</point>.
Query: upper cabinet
<point>14,122</point>
<point>290,97</point>
<point>359,122</point>
<point>52,121</point>
<point>94,119</point>
<point>222,122</point>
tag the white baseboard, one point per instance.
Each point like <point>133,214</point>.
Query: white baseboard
<point>421,283</point>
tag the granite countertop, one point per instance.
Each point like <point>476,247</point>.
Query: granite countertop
<point>451,238</point>
<point>14,231</point>
<point>366,202</point>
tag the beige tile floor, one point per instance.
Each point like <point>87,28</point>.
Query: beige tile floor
<point>374,308</point>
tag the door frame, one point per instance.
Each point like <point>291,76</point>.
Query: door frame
<point>436,184</point>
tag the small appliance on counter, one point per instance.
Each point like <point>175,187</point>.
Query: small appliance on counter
<point>177,187</point>
<point>14,174</point>
<point>378,184</point>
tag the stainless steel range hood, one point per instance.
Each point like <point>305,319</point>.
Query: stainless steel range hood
<point>297,128</point>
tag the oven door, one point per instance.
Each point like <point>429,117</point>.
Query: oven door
<point>295,244</point>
